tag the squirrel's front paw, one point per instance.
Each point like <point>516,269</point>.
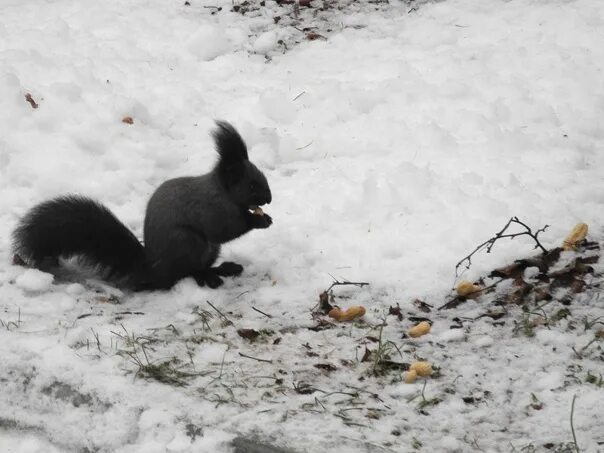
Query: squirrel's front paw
<point>261,221</point>
<point>208,277</point>
<point>264,221</point>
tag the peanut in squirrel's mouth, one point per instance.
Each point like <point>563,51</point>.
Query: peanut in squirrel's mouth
<point>256,210</point>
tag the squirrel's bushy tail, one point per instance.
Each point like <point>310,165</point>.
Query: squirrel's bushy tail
<point>78,226</point>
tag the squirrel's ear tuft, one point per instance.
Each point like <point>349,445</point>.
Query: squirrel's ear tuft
<point>229,144</point>
<point>232,151</point>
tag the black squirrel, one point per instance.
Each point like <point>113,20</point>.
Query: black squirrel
<point>186,221</point>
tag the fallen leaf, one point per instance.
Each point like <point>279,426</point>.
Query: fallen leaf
<point>31,101</point>
<point>423,306</point>
<point>326,367</point>
<point>366,355</point>
<point>493,315</point>
<point>324,304</point>
<point>542,293</point>
<point>248,334</point>
<point>511,271</point>
<point>312,36</point>
<point>322,324</point>
<point>396,311</point>
<point>373,415</point>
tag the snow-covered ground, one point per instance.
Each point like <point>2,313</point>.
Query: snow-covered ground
<point>393,147</point>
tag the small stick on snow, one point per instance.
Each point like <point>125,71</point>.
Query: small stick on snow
<point>572,427</point>
<point>219,312</point>
<point>255,358</point>
<point>305,146</point>
<point>261,312</point>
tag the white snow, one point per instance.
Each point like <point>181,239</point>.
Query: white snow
<point>484,341</point>
<point>393,148</point>
<point>265,42</point>
<point>208,42</point>
<point>452,335</point>
<point>75,289</point>
<point>34,280</point>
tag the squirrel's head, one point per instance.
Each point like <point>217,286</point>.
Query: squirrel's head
<point>246,185</point>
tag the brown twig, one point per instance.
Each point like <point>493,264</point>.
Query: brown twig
<point>488,244</point>
<point>262,313</point>
<point>255,358</point>
<point>336,282</point>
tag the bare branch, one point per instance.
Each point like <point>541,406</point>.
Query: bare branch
<point>466,262</point>
<point>336,282</point>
